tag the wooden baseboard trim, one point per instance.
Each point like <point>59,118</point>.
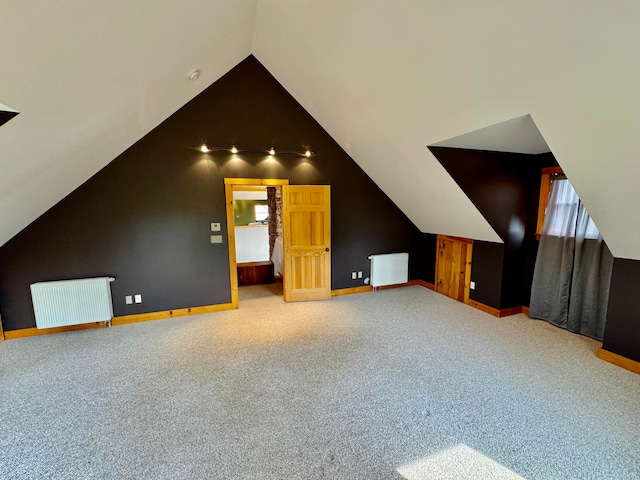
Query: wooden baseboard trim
<point>179,312</point>
<point>395,285</point>
<point>618,360</point>
<point>485,308</point>
<point>505,312</point>
<point>33,331</point>
<point>422,283</point>
<point>348,291</point>
<point>525,311</point>
<point>123,320</point>
<point>368,288</point>
<point>410,283</point>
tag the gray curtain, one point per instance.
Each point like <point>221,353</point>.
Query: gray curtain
<point>573,268</point>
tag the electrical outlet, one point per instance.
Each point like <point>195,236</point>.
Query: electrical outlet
<point>138,298</point>
<point>215,227</point>
<point>472,285</point>
<point>128,299</point>
<point>359,274</point>
<point>353,275</point>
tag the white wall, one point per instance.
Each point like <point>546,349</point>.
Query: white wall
<point>252,244</point>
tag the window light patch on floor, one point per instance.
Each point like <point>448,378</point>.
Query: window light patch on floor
<point>459,462</point>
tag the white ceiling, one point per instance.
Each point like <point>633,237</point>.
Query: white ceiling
<point>250,195</point>
<point>385,79</point>
<point>5,108</point>
<point>518,135</point>
<point>91,78</point>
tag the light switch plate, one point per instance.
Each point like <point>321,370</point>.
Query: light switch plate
<point>472,285</point>
<point>138,298</point>
<point>128,299</point>
<point>216,238</point>
<point>215,227</point>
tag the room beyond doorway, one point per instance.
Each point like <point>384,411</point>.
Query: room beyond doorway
<point>255,245</point>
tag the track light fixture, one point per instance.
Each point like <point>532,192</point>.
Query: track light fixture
<point>204,148</point>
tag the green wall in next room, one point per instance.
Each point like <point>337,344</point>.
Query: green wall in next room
<point>244,211</point>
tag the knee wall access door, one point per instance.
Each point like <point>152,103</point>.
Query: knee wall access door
<point>453,267</point>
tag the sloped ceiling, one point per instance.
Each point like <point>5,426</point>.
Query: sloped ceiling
<point>91,78</point>
<point>386,79</point>
<point>518,135</point>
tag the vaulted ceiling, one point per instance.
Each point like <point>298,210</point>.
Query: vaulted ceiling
<point>385,79</point>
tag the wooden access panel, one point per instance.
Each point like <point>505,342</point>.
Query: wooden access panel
<point>306,225</point>
<point>255,273</point>
<point>453,267</point>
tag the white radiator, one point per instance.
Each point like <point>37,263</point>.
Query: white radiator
<point>389,269</point>
<point>71,302</point>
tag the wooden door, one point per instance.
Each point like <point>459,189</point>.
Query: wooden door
<point>306,216</point>
<point>453,267</point>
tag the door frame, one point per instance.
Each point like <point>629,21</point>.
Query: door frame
<point>231,184</point>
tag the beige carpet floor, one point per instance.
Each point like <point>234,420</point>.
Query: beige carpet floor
<point>401,383</point>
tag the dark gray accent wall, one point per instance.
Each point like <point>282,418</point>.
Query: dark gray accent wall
<point>422,257</point>
<point>505,188</point>
<point>622,330</point>
<point>487,271</point>
<point>5,116</point>
<point>145,218</point>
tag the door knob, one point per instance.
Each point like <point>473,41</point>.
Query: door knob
<point>326,249</point>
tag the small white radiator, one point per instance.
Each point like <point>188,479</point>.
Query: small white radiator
<point>389,269</point>
<point>71,302</point>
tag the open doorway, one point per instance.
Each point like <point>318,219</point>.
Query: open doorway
<point>254,219</point>
<point>306,238</point>
<point>258,232</point>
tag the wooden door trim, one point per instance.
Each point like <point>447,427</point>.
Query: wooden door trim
<point>269,182</point>
<point>456,239</point>
<point>467,272</point>
<point>231,184</point>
